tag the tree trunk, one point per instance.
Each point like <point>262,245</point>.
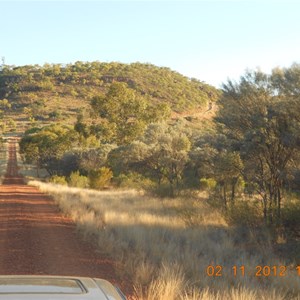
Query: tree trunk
<point>278,204</point>
<point>271,211</point>
<point>265,209</point>
<point>233,186</point>
<point>224,196</point>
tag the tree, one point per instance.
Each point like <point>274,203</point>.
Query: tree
<point>125,113</point>
<point>81,127</point>
<point>30,152</point>
<point>261,124</point>
<point>227,170</point>
<point>124,109</point>
<point>46,146</point>
<point>212,158</point>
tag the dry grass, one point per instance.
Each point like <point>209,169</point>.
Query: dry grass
<point>165,246</point>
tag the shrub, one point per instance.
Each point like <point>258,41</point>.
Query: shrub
<point>46,85</point>
<point>135,181</point>
<point>55,115</point>
<point>11,124</point>
<point>77,180</point>
<point>207,184</point>
<point>100,178</point>
<point>163,190</point>
<point>58,180</point>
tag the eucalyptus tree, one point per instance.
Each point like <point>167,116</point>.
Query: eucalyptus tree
<point>261,121</point>
<point>124,114</point>
<point>123,111</point>
<point>46,146</point>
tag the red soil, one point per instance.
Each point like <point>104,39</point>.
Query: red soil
<point>36,239</point>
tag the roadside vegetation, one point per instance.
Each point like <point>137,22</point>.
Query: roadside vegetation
<point>172,248</point>
<point>221,190</point>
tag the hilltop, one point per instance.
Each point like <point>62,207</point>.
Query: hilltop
<point>56,92</point>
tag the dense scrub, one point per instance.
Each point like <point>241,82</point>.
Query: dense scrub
<point>253,147</point>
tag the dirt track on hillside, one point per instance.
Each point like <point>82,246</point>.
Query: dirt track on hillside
<point>35,238</point>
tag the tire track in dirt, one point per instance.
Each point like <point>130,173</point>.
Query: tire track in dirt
<point>35,238</point>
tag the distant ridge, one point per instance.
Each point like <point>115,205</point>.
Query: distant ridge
<point>56,90</point>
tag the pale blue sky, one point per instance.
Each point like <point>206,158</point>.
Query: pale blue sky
<point>209,40</point>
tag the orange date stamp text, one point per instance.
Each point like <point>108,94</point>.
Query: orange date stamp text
<point>257,271</point>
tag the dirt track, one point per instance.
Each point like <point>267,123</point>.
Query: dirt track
<point>35,238</point>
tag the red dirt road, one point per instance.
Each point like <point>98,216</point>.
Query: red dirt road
<point>35,238</point>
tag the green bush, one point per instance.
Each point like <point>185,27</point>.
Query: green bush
<point>58,180</point>
<point>100,178</point>
<point>77,180</point>
<point>207,184</point>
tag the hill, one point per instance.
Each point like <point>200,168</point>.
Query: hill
<point>56,92</point>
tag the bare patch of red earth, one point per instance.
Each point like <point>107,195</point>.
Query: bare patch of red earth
<point>37,239</point>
